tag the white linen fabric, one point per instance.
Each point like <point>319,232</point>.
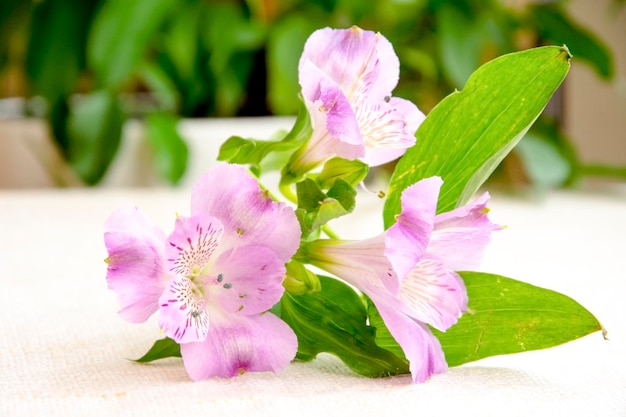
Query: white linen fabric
<point>64,351</point>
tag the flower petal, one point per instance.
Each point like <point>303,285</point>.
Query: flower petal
<point>248,214</point>
<point>433,294</point>
<point>236,344</point>
<point>387,71</point>
<point>341,121</point>
<point>136,270</point>
<point>361,263</point>
<point>348,56</point>
<point>251,280</point>
<point>182,313</point>
<point>412,116</point>
<point>388,129</point>
<point>191,246</point>
<point>420,346</point>
<point>461,235</point>
<point>335,127</point>
<point>407,239</point>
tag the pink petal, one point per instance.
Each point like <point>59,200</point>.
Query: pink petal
<point>461,235</point>
<point>182,314</point>
<point>420,346</point>
<point>408,238</point>
<point>385,129</point>
<point>409,112</point>
<point>361,263</point>
<point>237,344</point>
<point>348,56</point>
<point>136,271</point>
<point>248,214</point>
<point>322,144</point>
<point>336,131</point>
<point>250,279</point>
<point>191,246</point>
<point>433,294</point>
<point>340,119</point>
<point>388,71</point>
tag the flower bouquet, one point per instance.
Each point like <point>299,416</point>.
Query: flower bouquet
<point>255,277</point>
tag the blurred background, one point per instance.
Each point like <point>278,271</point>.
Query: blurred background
<point>78,78</point>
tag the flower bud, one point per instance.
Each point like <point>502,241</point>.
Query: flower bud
<point>300,280</point>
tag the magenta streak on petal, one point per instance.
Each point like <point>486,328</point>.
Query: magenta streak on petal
<point>198,255</point>
<point>183,308</point>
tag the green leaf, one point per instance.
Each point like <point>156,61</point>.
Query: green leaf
<point>94,129</point>
<point>555,25</point>
<point>352,172</point>
<point>243,151</point>
<point>384,339</point>
<point>170,150</point>
<point>506,316</point>
<point>316,208</point>
<point>121,34</point>
<point>163,348</point>
<point>509,316</point>
<point>334,321</point>
<point>467,134</point>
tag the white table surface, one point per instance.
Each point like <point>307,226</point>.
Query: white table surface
<point>64,350</point>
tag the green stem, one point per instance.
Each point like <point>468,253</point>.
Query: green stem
<point>330,232</point>
<point>285,189</point>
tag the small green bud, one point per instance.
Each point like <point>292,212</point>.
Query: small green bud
<point>300,280</point>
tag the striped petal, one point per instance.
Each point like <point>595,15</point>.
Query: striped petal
<point>182,313</point>
<point>248,214</point>
<point>191,247</point>
<point>433,294</point>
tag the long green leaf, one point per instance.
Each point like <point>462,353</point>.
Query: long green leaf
<point>466,136</point>
<point>506,316</point>
<point>509,316</point>
<point>334,321</point>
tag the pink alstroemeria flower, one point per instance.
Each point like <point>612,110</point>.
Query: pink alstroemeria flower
<point>408,271</point>
<point>213,278</point>
<point>347,76</point>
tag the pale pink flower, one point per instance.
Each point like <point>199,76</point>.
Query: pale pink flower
<point>213,278</point>
<point>347,76</point>
<point>408,271</point>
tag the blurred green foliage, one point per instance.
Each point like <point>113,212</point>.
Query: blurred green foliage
<point>91,59</point>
